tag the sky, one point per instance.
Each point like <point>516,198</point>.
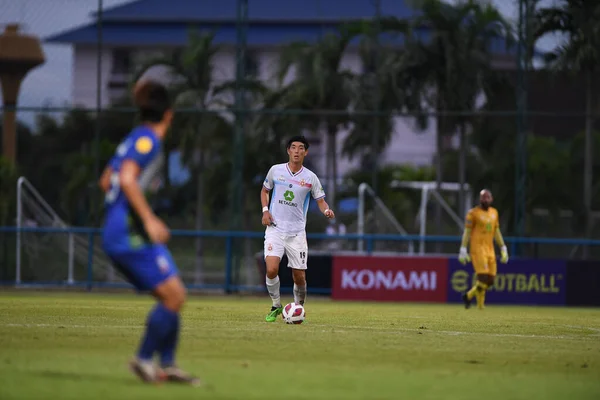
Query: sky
<point>51,83</point>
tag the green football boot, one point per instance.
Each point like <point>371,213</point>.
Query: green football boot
<point>272,315</point>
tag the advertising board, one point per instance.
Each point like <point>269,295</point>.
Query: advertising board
<point>418,279</point>
<point>518,282</point>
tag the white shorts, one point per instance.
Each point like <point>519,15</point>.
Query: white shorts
<point>294,246</point>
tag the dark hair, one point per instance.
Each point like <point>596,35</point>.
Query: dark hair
<point>298,138</point>
<point>152,100</point>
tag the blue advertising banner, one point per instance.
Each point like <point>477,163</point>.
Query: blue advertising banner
<point>518,282</point>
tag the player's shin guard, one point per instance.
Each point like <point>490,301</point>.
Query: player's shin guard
<point>299,294</point>
<point>481,299</point>
<point>273,286</point>
<point>167,353</point>
<point>161,322</point>
<point>471,293</point>
<point>481,289</point>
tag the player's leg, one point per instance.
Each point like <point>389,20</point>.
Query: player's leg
<point>479,266</point>
<point>482,286</point>
<point>488,279</point>
<point>172,295</point>
<point>274,250</point>
<point>296,249</point>
<point>152,269</point>
<point>299,276</point>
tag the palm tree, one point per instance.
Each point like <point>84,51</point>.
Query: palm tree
<point>193,87</point>
<point>318,85</point>
<point>392,82</point>
<point>456,59</point>
<point>8,182</point>
<point>579,23</point>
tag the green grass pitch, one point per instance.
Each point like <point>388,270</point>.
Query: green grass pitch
<point>76,345</point>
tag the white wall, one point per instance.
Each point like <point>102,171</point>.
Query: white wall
<point>407,145</point>
<point>84,75</point>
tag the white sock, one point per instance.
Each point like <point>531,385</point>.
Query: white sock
<point>299,294</point>
<point>273,288</point>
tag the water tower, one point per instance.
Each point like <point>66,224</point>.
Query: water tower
<point>19,54</point>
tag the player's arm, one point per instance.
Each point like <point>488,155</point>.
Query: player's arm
<point>324,207</point>
<point>128,178</point>
<point>319,195</point>
<point>465,238</point>
<point>136,159</point>
<point>463,255</point>
<point>264,197</point>
<point>500,242</point>
<point>267,218</point>
<point>499,239</point>
<point>104,181</point>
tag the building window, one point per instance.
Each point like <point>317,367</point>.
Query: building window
<point>121,61</point>
<point>252,64</point>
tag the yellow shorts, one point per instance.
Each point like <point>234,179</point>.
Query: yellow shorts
<point>484,263</point>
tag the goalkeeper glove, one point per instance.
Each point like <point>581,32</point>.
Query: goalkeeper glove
<point>503,255</point>
<point>463,256</point>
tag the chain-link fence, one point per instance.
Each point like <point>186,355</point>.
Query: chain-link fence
<point>379,88</point>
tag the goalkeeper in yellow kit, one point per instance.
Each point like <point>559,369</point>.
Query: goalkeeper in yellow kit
<point>481,229</point>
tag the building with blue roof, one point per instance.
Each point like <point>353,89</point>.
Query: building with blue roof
<point>133,30</point>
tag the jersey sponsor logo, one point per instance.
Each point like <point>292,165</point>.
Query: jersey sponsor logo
<point>366,279</point>
<point>143,145</point>
<point>163,264</point>
<point>289,197</point>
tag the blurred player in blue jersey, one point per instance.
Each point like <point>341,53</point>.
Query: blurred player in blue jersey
<point>134,237</point>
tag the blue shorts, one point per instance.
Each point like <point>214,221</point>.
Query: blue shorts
<point>145,268</point>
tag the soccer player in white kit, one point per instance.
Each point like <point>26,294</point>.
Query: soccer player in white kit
<point>291,185</point>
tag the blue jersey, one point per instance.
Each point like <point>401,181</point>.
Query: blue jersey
<point>123,229</point>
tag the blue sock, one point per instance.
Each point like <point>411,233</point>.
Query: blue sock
<point>161,321</point>
<point>167,353</point>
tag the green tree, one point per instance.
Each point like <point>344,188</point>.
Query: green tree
<point>196,131</point>
<point>457,60</point>
<point>8,184</point>
<point>60,163</point>
<point>578,22</point>
<point>391,82</point>
<point>320,84</point>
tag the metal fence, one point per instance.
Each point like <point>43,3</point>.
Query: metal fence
<point>57,256</point>
<point>525,138</point>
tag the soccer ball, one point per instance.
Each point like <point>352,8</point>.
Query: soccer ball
<point>293,313</point>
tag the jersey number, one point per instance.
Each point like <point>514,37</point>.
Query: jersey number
<point>302,255</point>
<point>113,191</point>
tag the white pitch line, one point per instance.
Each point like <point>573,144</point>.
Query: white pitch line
<point>455,333</point>
<point>397,330</point>
<point>595,330</point>
<point>69,326</point>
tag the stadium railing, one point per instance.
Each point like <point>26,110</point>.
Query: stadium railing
<point>228,260</point>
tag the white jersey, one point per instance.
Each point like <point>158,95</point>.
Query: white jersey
<point>290,196</point>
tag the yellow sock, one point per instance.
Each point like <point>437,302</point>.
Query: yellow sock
<point>482,287</point>
<point>471,293</point>
<point>481,300</point>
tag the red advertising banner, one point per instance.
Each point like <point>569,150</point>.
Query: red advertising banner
<point>419,279</point>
